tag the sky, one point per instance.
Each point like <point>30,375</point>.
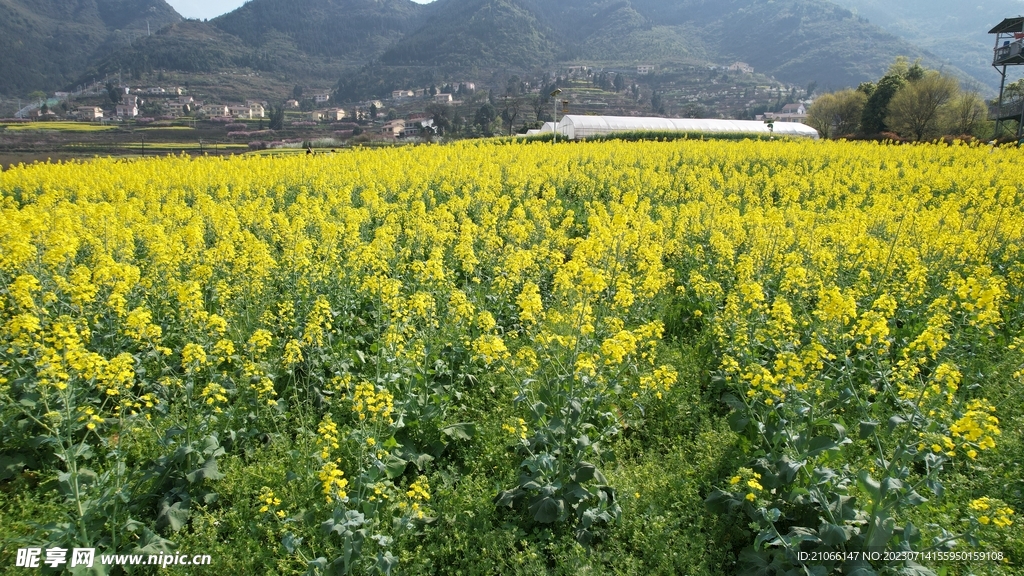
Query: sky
<point>214,8</point>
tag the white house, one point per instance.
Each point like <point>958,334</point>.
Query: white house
<point>741,67</point>
<point>127,110</point>
<point>443,98</point>
<point>321,98</point>
<point>240,111</point>
<point>644,69</point>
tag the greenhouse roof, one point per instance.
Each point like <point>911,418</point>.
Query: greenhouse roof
<point>574,126</point>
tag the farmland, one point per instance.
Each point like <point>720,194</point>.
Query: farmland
<point>697,357</point>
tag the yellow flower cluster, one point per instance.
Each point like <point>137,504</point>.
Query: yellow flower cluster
<point>269,502</point>
<point>327,437</point>
<point>994,511</point>
<point>369,403</point>
<point>749,481</point>
<point>517,429</point>
<point>333,481</point>
<point>977,427</point>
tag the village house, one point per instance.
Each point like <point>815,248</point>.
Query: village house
<point>129,106</point>
<point>443,98</point>
<point>176,108</point>
<point>216,110</point>
<point>420,93</point>
<point>90,112</point>
<point>394,128</point>
<point>321,98</point>
<point>239,111</point>
<point>467,87</point>
<point>399,94</point>
<point>334,114</point>
<point>644,69</point>
<point>291,104</point>
<point>795,112</point>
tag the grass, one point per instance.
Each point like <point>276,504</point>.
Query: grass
<point>58,126</point>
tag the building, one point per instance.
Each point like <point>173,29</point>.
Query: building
<point>394,128</point>
<point>741,67</point>
<point>399,94</point>
<point>321,98</point>
<point>796,112</point>
<point>240,111</point>
<point>90,112</point>
<point>644,69</point>
<point>443,98</point>
<point>291,104</point>
<point>129,106</point>
<point>334,114</point>
<point>216,110</point>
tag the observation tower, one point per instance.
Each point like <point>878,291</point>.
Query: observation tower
<point>1009,51</point>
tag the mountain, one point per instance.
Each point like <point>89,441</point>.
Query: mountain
<point>954,30</point>
<point>489,33</point>
<point>797,41</point>
<point>352,31</point>
<point>378,45</point>
<point>47,44</point>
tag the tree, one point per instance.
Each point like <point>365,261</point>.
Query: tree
<point>511,105</point>
<point>876,108</point>
<point>915,109</point>
<point>838,113</point>
<point>276,117</point>
<point>297,92</point>
<point>373,111</point>
<point>619,83</point>
<point>965,114</point>
<point>113,93</point>
<point>484,117</point>
<point>657,106</point>
<point>442,115</point>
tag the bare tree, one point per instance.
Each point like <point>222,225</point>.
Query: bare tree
<point>511,104</point>
<point>837,113</point>
<point>965,113</point>
<point>915,109</point>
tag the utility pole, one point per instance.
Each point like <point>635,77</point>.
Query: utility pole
<point>554,115</point>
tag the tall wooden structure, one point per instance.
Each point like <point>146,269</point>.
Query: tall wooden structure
<point>1009,51</point>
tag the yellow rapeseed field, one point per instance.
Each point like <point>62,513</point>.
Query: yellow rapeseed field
<point>203,296</point>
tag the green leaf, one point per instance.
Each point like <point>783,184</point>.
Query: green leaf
<point>821,444</point>
<point>832,535</point>
<point>867,429</point>
<point>584,473</point>
<point>394,466</point>
<point>174,516</point>
<point>894,422</point>
<point>290,542</point>
<point>869,485</point>
<point>538,410</point>
<point>545,509</point>
<point>10,465</point>
<point>208,471</point>
<point>882,532</point>
<point>460,431</point>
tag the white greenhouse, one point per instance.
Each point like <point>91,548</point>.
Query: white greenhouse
<point>574,127</point>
